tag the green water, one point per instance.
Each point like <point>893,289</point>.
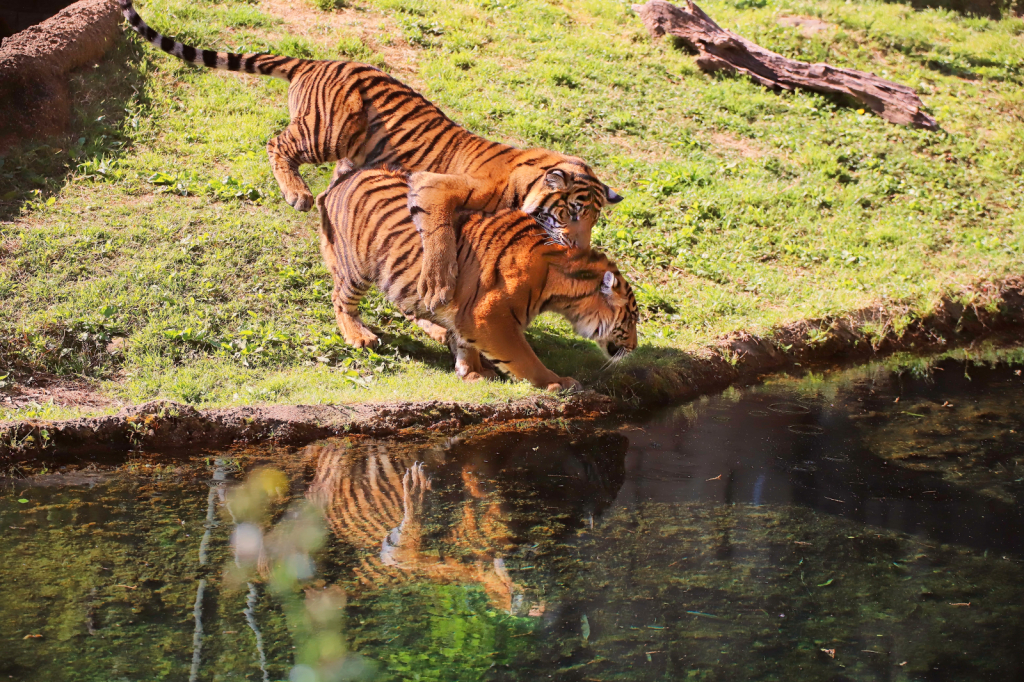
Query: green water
<point>811,529</point>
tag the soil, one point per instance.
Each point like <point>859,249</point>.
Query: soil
<point>34,63</point>
<point>808,26</point>
<point>378,32</point>
<point>745,148</point>
<point>60,391</point>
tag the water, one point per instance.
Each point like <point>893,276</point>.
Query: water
<point>811,529</point>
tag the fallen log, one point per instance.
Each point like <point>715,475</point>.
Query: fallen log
<point>721,50</point>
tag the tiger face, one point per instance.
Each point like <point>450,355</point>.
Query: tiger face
<point>567,202</point>
<point>609,316</point>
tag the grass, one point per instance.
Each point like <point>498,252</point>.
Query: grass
<point>152,251</point>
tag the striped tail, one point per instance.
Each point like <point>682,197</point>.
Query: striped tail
<point>256,62</point>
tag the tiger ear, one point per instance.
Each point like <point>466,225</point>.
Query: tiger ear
<point>608,283</point>
<point>611,197</point>
<point>557,180</point>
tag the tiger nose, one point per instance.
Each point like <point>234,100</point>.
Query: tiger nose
<point>579,231</point>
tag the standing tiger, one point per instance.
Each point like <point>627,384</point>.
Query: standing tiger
<point>509,272</point>
<point>357,115</point>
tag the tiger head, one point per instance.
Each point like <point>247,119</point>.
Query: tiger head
<point>605,310</point>
<point>566,200</point>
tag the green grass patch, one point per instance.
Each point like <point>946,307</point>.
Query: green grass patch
<point>152,249</point>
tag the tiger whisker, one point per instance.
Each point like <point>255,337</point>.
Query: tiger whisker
<point>615,359</point>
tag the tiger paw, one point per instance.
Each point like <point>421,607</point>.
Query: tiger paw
<point>434,331</point>
<point>300,201</point>
<point>436,286</point>
<point>362,338</point>
<point>480,375</point>
<point>565,384</point>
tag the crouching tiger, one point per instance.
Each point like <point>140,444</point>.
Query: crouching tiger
<point>509,272</point>
<point>359,116</point>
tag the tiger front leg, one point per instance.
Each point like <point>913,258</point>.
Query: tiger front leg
<point>434,199</point>
<point>510,351</point>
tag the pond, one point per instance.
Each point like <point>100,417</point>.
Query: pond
<point>859,525</point>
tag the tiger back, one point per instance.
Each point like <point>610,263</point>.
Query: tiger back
<point>509,271</point>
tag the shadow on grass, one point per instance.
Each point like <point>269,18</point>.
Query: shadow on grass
<point>582,360</point>
<point>106,100</point>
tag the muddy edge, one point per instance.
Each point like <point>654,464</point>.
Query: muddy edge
<point>665,376</point>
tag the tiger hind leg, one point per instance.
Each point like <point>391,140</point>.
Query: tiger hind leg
<point>346,312</point>
<point>349,287</point>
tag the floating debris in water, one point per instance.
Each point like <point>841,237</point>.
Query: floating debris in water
<point>705,615</point>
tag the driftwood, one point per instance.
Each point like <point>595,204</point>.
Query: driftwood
<point>719,49</point>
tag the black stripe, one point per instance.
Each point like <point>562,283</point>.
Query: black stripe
<point>250,62</point>
<point>399,265</point>
<point>501,152</point>
<point>500,230</point>
<point>443,156</point>
<point>234,62</point>
<point>476,147</point>
<point>267,67</point>
<point>188,53</point>
<point>406,117</point>
<point>166,44</point>
<point>418,128</point>
<point>375,153</point>
<point>385,109</point>
<point>511,240</point>
<point>533,184</point>
<point>135,19</point>
<point>426,149</point>
<point>357,68</point>
<point>514,316</point>
<point>210,58</point>
<point>151,35</point>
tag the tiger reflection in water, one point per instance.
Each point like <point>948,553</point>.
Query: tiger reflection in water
<point>458,514</point>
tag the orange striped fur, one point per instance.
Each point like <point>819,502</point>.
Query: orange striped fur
<point>375,498</point>
<point>509,271</point>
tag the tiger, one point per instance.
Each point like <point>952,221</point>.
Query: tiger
<point>356,115</point>
<point>454,513</point>
<point>510,271</point>
<point>375,498</point>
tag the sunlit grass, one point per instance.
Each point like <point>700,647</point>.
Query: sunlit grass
<point>153,250</point>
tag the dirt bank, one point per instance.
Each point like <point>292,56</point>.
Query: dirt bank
<point>991,308</point>
<point>651,381</point>
<point>34,63</point>
<point>166,425</point>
